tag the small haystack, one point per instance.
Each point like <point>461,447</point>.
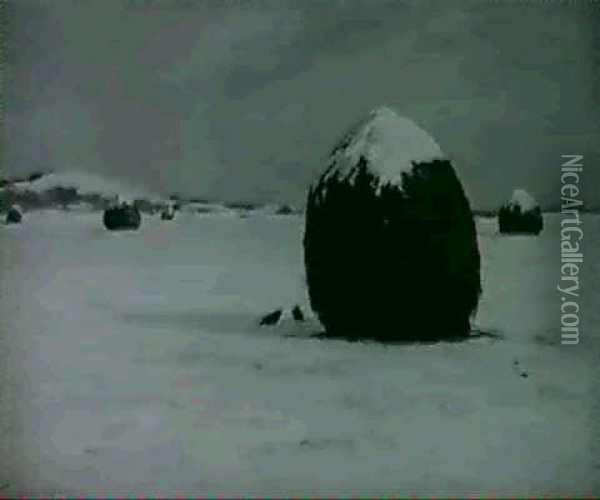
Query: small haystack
<point>168,212</point>
<point>14,215</point>
<point>520,215</point>
<point>121,217</point>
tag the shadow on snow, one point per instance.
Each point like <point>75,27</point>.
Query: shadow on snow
<point>248,322</point>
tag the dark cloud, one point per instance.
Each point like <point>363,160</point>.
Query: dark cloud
<point>244,99</point>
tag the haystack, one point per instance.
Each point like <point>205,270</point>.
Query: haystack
<point>14,215</point>
<point>168,213</point>
<point>390,246</point>
<point>122,217</point>
<point>520,215</point>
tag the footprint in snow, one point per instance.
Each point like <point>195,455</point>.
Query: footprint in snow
<point>516,367</point>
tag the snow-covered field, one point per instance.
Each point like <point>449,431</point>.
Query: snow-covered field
<point>135,366</point>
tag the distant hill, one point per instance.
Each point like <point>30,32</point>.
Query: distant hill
<point>69,189</point>
<point>88,191</point>
<point>83,182</point>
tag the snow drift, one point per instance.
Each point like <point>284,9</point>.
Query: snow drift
<point>520,215</point>
<point>390,246</point>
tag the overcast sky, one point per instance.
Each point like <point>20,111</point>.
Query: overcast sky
<point>245,99</point>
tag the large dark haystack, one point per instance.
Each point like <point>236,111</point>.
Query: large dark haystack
<point>390,246</point>
<point>14,215</point>
<point>123,217</point>
<point>520,215</point>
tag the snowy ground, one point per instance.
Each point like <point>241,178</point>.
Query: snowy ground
<point>136,366</point>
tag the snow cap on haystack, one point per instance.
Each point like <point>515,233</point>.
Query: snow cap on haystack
<point>388,142</point>
<point>390,247</point>
<point>522,199</point>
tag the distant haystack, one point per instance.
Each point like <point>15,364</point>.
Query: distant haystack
<point>14,215</point>
<point>175,201</point>
<point>390,246</point>
<point>285,210</point>
<point>520,215</point>
<point>35,176</point>
<point>168,212</point>
<point>121,217</point>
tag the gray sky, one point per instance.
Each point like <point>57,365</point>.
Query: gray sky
<point>244,99</point>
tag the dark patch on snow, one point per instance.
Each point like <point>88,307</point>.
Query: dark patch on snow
<point>222,322</point>
<point>547,339</point>
<point>353,338</point>
<point>297,314</point>
<point>246,323</point>
<point>277,316</point>
<point>345,444</point>
<point>516,367</point>
<point>271,318</point>
<point>285,210</point>
<point>35,176</point>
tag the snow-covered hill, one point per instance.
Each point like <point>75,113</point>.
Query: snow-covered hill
<point>90,187</point>
<point>84,183</point>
